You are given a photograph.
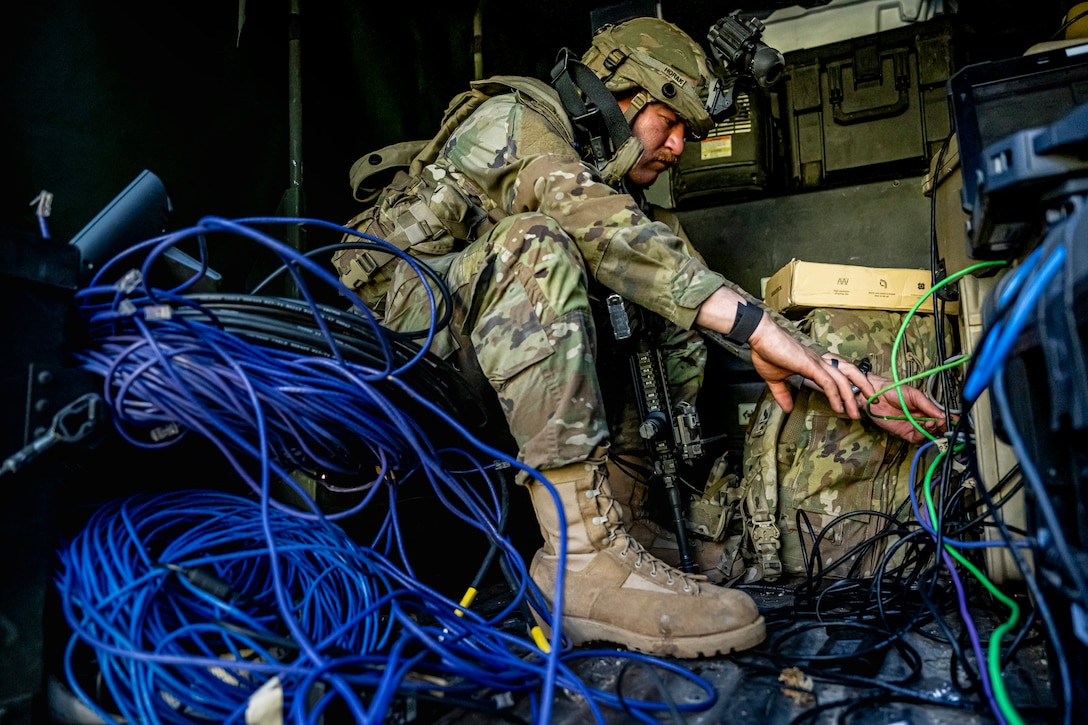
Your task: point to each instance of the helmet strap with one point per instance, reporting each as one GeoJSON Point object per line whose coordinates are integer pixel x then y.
{"type": "Point", "coordinates": [626, 157]}
{"type": "Point", "coordinates": [638, 102]}
{"type": "Point", "coordinates": [599, 124]}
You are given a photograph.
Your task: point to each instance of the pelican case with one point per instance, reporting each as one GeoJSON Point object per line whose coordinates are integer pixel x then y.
{"type": "Point", "coordinates": [868, 108]}
{"type": "Point", "coordinates": [737, 159]}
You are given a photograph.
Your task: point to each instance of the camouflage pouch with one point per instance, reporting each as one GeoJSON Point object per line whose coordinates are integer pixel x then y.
{"type": "Point", "coordinates": [415, 214]}
{"type": "Point", "coordinates": [421, 205]}
{"type": "Point", "coordinates": [817, 475]}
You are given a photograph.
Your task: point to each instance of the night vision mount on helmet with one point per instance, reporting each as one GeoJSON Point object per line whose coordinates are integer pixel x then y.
{"type": "Point", "coordinates": [656, 61]}
{"type": "Point", "coordinates": [736, 46]}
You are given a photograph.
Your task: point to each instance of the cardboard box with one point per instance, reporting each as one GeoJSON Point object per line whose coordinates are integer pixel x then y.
{"type": "Point", "coordinates": [804, 285]}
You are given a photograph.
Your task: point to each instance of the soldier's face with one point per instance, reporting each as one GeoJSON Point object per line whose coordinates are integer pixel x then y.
{"type": "Point", "coordinates": [661, 132]}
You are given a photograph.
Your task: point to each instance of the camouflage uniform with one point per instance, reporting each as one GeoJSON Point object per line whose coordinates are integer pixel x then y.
{"type": "Point", "coordinates": [523, 292]}
{"type": "Point", "coordinates": [538, 235]}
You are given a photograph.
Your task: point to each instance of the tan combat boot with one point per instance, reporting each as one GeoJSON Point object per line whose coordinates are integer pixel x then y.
{"type": "Point", "coordinates": [617, 592]}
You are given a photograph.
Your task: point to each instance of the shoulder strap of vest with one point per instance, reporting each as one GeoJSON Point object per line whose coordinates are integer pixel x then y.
{"type": "Point", "coordinates": [538, 94]}
{"type": "Point", "coordinates": [372, 172]}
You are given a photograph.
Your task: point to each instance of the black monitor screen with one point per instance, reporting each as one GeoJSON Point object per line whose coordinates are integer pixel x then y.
{"type": "Point", "coordinates": [140, 212]}
{"type": "Point", "coordinates": [993, 100]}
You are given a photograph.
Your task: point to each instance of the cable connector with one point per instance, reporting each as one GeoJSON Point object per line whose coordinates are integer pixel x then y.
{"type": "Point", "coordinates": [466, 601]}
{"type": "Point", "coordinates": [130, 281]}
{"type": "Point", "coordinates": [539, 639]}
{"type": "Point", "coordinates": [163, 432]}
{"type": "Point", "coordinates": [157, 313]}
{"type": "Point", "coordinates": [44, 203]}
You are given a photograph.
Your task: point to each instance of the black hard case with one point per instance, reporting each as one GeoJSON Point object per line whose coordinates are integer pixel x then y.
{"type": "Point", "coordinates": [867, 108]}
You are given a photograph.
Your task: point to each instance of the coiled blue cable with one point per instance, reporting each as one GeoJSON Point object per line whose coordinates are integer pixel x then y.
{"type": "Point", "coordinates": [172, 593]}
{"type": "Point", "coordinates": [192, 602]}
{"type": "Point", "coordinates": [1019, 303]}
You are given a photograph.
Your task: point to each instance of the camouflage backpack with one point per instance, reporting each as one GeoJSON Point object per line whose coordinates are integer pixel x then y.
{"type": "Point", "coordinates": [815, 474]}
{"type": "Point", "coordinates": [409, 207]}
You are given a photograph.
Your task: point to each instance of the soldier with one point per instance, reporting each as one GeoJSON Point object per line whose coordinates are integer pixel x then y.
{"type": "Point", "coordinates": [530, 224]}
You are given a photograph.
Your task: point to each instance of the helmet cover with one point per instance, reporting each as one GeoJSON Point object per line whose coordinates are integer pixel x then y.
{"type": "Point", "coordinates": [656, 56]}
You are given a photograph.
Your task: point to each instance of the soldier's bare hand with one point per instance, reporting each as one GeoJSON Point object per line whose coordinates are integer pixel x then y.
{"type": "Point", "coordinates": [777, 357]}
{"type": "Point", "coordinates": [894, 414]}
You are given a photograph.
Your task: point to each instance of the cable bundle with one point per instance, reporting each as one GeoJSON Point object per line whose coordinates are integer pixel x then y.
{"type": "Point", "coordinates": [199, 605]}
{"type": "Point", "coordinates": [179, 598]}
{"type": "Point", "coordinates": [1038, 303]}
{"type": "Point", "coordinates": [233, 591]}
{"type": "Point", "coordinates": [314, 388]}
{"type": "Point", "coordinates": [929, 582]}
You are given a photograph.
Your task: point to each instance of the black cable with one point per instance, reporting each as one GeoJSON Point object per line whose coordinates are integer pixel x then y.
{"type": "Point", "coordinates": [866, 704]}
{"type": "Point", "coordinates": [950, 504]}
{"type": "Point", "coordinates": [772, 651]}
{"type": "Point", "coordinates": [918, 540]}
{"type": "Point", "coordinates": [859, 551]}
{"type": "Point", "coordinates": [1067, 23]}
{"type": "Point", "coordinates": [494, 547]}
{"type": "Point", "coordinates": [774, 644]}
{"type": "Point", "coordinates": [894, 592]}
{"type": "Point", "coordinates": [446, 308]}
{"type": "Point", "coordinates": [935, 265]}
{"type": "Point", "coordinates": [669, 700]}
{"type": "Point", "coordinates": [752, 660]}
{"type": "Point", "coordinates": [1039, 600]}
{"type": "Point", "coordinates": [1021, 636]}
{"type": "Point", "coordinates": [287, 324]}
{"type": "Point", "coordinates": [814, 569]}
{"type": "Point", "coordinates": [986, 502]}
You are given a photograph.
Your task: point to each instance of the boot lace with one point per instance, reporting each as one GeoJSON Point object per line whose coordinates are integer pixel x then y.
{"type": "Point", "coordinates": [616, 528]}
{"type": "Point", "coordinates": [633, 548]}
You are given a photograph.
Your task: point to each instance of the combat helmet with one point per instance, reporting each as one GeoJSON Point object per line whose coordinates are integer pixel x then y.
{"type": "Point", "coordinates": [659, 58]}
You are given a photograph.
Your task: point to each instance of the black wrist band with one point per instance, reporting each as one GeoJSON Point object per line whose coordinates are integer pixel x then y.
{"type": "Point", "coordinates": [747, 320]}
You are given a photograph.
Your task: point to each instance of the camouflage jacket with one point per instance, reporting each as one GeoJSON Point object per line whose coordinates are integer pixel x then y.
{"type": "Point", "coordinates": [515, 152]}
{"type": "Point", "coordinates": [506, 147]}
{"type": "Point", "coordinates": [502, 146]}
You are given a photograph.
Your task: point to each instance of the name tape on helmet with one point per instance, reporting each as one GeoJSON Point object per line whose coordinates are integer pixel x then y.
{"type": "Point", "coordinates": [675, 76]}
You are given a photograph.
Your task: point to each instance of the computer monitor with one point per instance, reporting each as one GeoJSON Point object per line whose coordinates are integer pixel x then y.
{"type": "Point", "coordinates": [140, 212]}
{"type": "Point", "coordinates": [993, 100]}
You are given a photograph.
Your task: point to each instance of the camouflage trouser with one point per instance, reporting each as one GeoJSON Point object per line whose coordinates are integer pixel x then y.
{"type": "Point", "coordinates": [522, 326]}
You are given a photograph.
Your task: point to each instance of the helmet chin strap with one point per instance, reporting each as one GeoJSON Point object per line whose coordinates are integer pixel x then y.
{"type": "Point", "coordinates": [638, 102]}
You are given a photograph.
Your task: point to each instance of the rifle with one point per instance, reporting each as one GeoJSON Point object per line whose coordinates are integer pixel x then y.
{"type": "Point", "coordinates": [670, 435]}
